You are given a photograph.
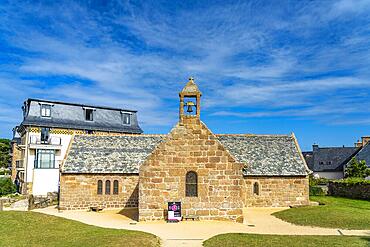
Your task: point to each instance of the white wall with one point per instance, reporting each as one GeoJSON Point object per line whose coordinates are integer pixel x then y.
{"type": "Point", "coordinates": [330, 175]}
{"type": "Point", "coordinates": [44, 181]}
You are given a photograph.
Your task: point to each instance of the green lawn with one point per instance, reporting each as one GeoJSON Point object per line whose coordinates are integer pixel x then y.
{"type": "Point", "coordinates": [256, 240]}
{"type": "Point", "coordinates": [35, 229]}
{"type": "Point", "coordinates": [337, 212]}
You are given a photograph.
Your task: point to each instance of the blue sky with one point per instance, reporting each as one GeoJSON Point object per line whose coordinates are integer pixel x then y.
{"type": "Point", "coordinates": [265, 67]}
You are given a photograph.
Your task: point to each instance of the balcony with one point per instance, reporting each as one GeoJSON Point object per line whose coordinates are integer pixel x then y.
{"type": "Point", "coordinates": [53, 142]}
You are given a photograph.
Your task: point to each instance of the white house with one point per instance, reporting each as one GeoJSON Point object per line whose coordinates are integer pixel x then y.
{"type": "Point", "coordinates": [45, 134]}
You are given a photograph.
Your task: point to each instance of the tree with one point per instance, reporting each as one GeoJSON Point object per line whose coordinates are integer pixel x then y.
{"type": "Point", "coordinates": [7, 186]}
{"type": "Point", "coordinates": [357, 169]}
{"type": "Point", "coordinates": [5, 158]}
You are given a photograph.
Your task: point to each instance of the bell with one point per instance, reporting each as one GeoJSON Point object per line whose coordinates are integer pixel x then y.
{"type": "Point", "coordinates": [190, 108]}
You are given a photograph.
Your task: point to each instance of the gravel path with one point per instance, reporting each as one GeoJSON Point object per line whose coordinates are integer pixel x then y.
{"type": "Point", "coordinates": [193, 233]}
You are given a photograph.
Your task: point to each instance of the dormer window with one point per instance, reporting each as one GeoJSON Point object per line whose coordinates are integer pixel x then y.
{"type": "Point", "coordinates": [89, 114]}
{"type": "Point", "coordinates": [126, 118]}
{"type": "Point", "coordinates": [45, 110]}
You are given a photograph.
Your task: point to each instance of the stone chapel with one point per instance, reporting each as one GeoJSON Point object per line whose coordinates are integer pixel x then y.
{"type": "Point", "coordinates": [214, 176]}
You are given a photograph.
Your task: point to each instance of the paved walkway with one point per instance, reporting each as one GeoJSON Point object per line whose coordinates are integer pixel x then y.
{"type": "Point", "coordinates": [193, 233]}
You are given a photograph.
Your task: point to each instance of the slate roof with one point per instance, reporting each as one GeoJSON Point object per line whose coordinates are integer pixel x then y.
{"type": "Point", "coordinates": [364, 154]}
{"type": "Point", "coordinates": [330, 159]}
{"type": "Point", "coordinates": [308, 156]}
{"type": "Point", "coordinates": [72, 116]}
{"type": "Point", "coordinates": [109, 154]}
{"type": "Point", "coordinates": [266, 155]}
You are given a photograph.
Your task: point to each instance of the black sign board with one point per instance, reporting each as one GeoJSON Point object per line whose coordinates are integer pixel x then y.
{"type": "Point", "coordinates": [174, 211]}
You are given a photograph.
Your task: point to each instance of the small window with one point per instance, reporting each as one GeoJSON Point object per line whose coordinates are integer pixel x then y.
{"type": "Point", "coordinates": [45, 110]}
{"type": "Point", "coordinates": [256, 189]}
{"type": "Point", "coordinates": [89, 114]}
{"type": "Point", "coordinates": [90, 132]}
{"type": "Point", "coordinates": [100, 187]}
{"type": "Point", "coordinates": [328, 163]}
{"type": "Point", "coordinates": [126, 118]}
{"type": "Point", "coordinates": [45, 135]}
{"type": "Point", "coordinates": [191, 185]}
{"type": "Point", "coordinates": [107, 187]}
{"type": "Point", "coordinates": [321, 162]}
{"type": "Point", "coordinates": [115, 187]}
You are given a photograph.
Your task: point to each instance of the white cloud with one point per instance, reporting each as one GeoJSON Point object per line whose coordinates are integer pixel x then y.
{"type": "Point", "coordinates": [246, 55]}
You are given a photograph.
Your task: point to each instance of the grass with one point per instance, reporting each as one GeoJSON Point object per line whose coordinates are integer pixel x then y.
{"type": "Point", "coordinates": [36, 229]}
{"type": "Point", "coordinates": [337, 212]}
{"type": "Point", "coordinates": [256, 240]}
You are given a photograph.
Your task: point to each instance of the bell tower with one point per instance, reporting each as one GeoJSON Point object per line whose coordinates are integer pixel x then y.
{"type": "Point", "coordinates": [190, 101]}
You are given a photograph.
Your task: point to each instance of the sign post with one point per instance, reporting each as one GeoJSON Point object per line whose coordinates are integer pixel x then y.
{"type": "Point", "coordinates": [174, 211]}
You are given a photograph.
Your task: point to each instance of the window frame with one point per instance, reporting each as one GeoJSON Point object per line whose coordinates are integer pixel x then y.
{"type": "Point", "coordinates": [107, 187]}
{"type": "Point", "coordinates": [100, 187]}
{"type": "Point", "coordinates": [115, 187]}
{"type": "Point", "coordinates": [38, 163]}
{"type": "Point", "coordinates": [45, 133]}
{"type": "Point", "coordinates": [129, 114]}
{"type": "Point", "coordinates": [91, 110]}
{"type": "Point", "coordinates": [45, 107]}
{"type": "Point", "coordinates": [256, 188]}
{"type": "Point", "coordinates": [190, 184]}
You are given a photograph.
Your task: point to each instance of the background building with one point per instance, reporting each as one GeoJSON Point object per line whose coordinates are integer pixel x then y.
{"type": "Point", "coordinates": [42, 139]}
{"type": "Point", "coordinates": [330, 162]}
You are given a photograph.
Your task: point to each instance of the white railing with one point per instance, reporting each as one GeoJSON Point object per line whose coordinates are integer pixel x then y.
{"type": "Point", "coordinates": [53, 140]}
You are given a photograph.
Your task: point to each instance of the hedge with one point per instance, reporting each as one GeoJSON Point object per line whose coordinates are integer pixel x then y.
{"type": "Point", "coordinates": [355, 188]}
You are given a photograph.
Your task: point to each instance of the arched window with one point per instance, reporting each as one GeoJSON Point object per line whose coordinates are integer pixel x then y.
{"type": "Point", "coordinates": [256, 189]}
{"type": "Point", "coordinates": [107, 187]}
{"type": "Point", "coordinates": [100, 187]}
{"type": "Point", "coordinates": [191, 189]}
{"type": "Point", "coordinates": [115, 187]}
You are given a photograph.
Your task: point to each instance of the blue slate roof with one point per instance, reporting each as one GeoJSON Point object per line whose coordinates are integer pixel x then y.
{"type": "Point", "coordinates": [364, 154]}
{"type": "Point", "coordinates": [329, 159]}
{"type": "Point", "coordinates": [72, 116]}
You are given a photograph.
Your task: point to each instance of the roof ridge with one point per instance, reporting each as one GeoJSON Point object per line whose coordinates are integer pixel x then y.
{"type": "Point", "coordinates": [253, 135]}
{"type": "Point", "coordinates": [119, 134]}
{"type": "Point", "coordinates": [78, 104]}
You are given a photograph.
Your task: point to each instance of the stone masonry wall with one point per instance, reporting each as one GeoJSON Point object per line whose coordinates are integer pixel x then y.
{"type": "Point", "coordinates": [16, 155]}
{"type": "Point", "coordinates": [80, 191]}
{"type": "Point", "coordinates": [191, 147]}
{"type": "Point", "coordinates": [276, 191]}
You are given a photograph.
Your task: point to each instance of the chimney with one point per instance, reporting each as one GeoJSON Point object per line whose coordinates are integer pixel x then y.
{"type": "Point", "coordinates": [365, 139]}
{"type": "Point", "coordinates": [315, 147]}
{"type": "Point", "coordinates": [358, 144]}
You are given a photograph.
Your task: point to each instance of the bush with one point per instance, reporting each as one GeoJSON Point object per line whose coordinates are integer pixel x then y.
{"type": "Point", "coordinates": [318, 181]}
{"type": "Point", "coordinates": [7, 186]}
{"type": "Point", "coordinates": [357, 169]}
{"type": "Point", "coordinates": [317, 191]}
{"type": "Point", "coordinates": [4, 172]}
{"type": "Point", "coordinates": [352, 181]}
